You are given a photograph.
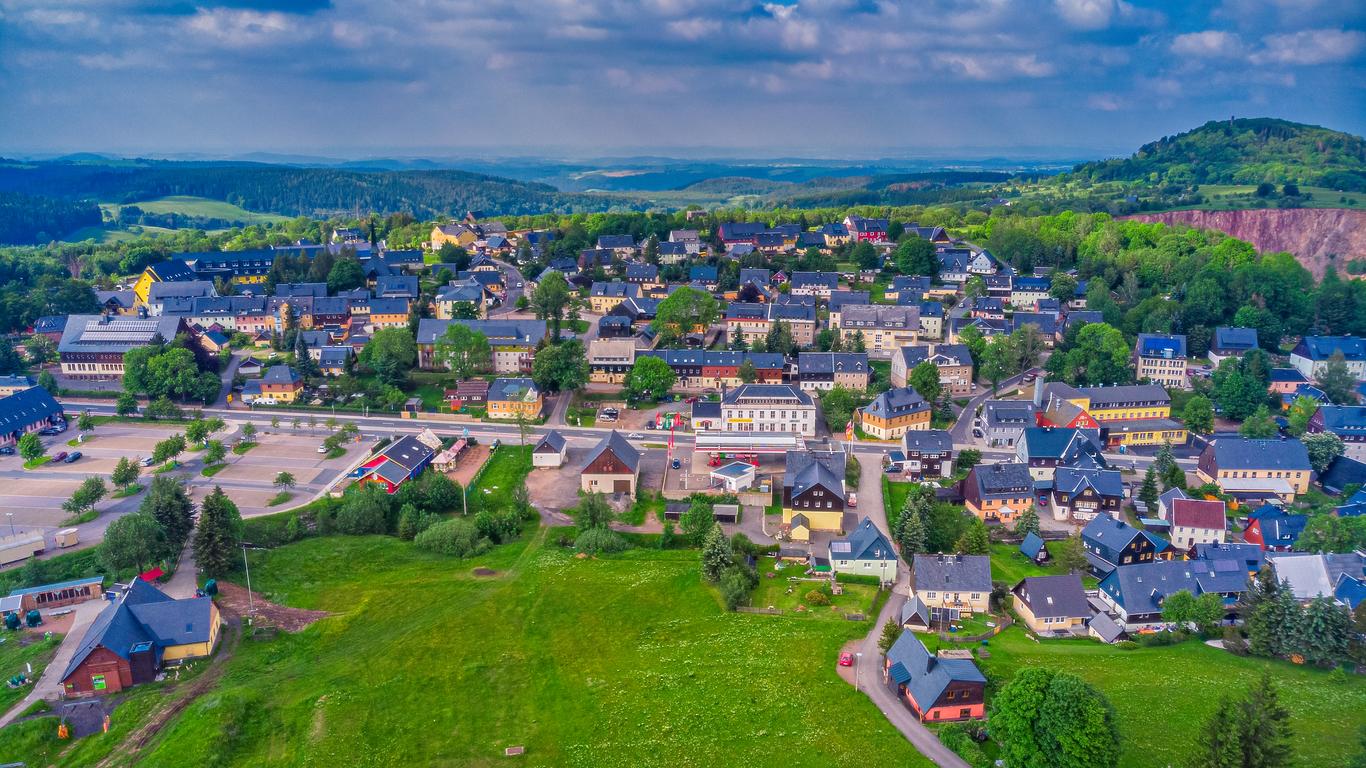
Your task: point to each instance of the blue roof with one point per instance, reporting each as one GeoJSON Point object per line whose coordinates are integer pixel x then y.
{"type": "Point", "coordinates": [865, 543]}
{"type": "Point", "coordinates": [1031, 545]}
{"type": "Point", "coordinates": [1350, 590]}
{"type": "Point", "coordinates": [58, 585]}
{"type": "Point", "coordinates": [1141, 588]}
{"type": "Point", "coordinates": [26, 408]}
{"type": "Point", "coordinates": [1161, 345]}
{"type": "Point", "coordinates": [1229, 339]}
{"type": "Point", "coordinates": [144, 614]}
{"type": "Point", "coordinates": [925, 676]}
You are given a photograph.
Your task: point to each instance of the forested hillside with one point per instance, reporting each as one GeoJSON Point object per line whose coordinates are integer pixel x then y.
{"type": "Point", "coordinates": [296, 191]}
{"type": "Point", "coordinates": [27, 219]}
{"type": "Point", "coordinates": [1246, 151]}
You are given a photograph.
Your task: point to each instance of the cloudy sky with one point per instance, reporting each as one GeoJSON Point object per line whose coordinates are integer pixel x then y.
{"type": "Point", "coordinates": [810, 77]}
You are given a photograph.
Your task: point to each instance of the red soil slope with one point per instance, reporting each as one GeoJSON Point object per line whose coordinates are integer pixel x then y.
{"type": "Point", "coordinates": [1316, 236]}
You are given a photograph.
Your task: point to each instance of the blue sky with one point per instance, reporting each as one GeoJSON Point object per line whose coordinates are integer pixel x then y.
{"type": "Point", "coordinates": [1065, 78]}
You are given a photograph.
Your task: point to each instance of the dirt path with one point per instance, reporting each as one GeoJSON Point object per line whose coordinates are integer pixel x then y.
{"type": "Point", "coordinates": [233, 601]}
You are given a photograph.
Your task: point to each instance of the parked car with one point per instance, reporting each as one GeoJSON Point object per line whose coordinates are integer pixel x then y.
{"type": "Point", "coordinates": [322, 449]}
{"type": "Point", "coordinates": [846, 659]}
{"type": "Point", "coordinates": [853, 499]}
{"type": "Point", "coordinates": [145, 461]}
{"type": "Point", "coordinates": [676, 464]}
{"type": "Point", "coordinates": [72, 457]}
{"type": "Point", "coordinates": [649, 425]}
{"type": "Point", "coordinates": [1029, 377]}
{"type": "Point", "coordinates": [635, 436]}
{"type": "Point", "coordinates": [7, 450]}
{"type": "Point", "coordinates": [61, 456]}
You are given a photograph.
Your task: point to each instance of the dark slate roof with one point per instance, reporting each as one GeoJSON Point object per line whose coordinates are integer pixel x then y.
{"type": "Point", "coordinates": [803, 469]}
{"type": "Point", "coordinates": [706, 274]}
{"type": "Point", "coordinates": [499, 332]}
{"type": "Point", "coordinates": [1063, 444]}
{"type": "Point", "coordinates": [757, 275]}
{"type": "Point", "coordinates": [1242, 453]}
{"type": "Point", "coordinates": [407, 452]}
{"type": "Point", "coordinates": [1230, 339]}
{"type": "Point", "coordinates": [620, 447]}
{"type": "Point", "coordinates": [792, 312]}
{"type": "Point", "coordinates": [389, 306]}
{"type": "Point", "coordinates": [316, 290]}
{"type": "Point", "coordinates": [1249, 557]}
{"type": "Point", "coordinates": [1106, 482]}
{"type": "Point", "coordinates": [1161, 345]}
{"type": "Point", "coordinates": [915, 608]}
{"type": "Point", "coordinates": [897, 402]}
{"type": "Point", "coordinates": [1344, 420]}
{"type": "Point", "coordinates": [616, 241]}
{"type": "Point", "coordinates": [865, 543]}
{"type": "Point", "coordinates": [176, 622]}
{"type": "Point", "coordinates": [926, 441]}
{"type": "Point", "coordinates": [952, 573]}
{"type": "Point", "coordinates": [1142, 587]}
{"type": "Point", "coordinates": [615, 289]}
{"type": "Point", "coordinates": [832, 362]}
{"type": "Point", "coordinates": [25, 407]}
{"type": "Point", "coordinates": [397, 285]}
{"type": "Point", "coordinates": [1111, 534]}
{"type": "Point", "coordinates": [1350, 590]}
{"type": "Point", "coordinates": [774, 391]}
{"type": "Point", "coordinates": [281, 374]}
{"type": "Point", "coordinates": [925, 676]}
{"type": "Point", "coordinates": [1032, 545]}
{"type": "Point", "coordinates": [1283, 375]}
{"type": "Point", "coordinates": [143, 613]}
{"type": "Point", "coordinates": [839, 299]}
{"type": "Point", "coordinates": [1106, 627]}
{"type": "Point", "coordinates": [1343, 472]}
{"type": "Point", "coordinates": [1055, 596]}
{"type": "Point", "coordinates": [552, 440]}
{"type": "Point", "coordinates": [814, 279]}
{"type": "Point", "coordinates": [740, 310]}
{"type": "Point", "coordinates": [1282, 530]}
{"type": "Point", "coordinates": [642, 271]}
{"type": "Point", "coordinates": [1003, 478]}
{"type": "Point", "coordinates": [1323, 347]}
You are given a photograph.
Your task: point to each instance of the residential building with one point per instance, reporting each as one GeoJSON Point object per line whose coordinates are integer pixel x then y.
{"type": "Point", "coordinates": [884, 328]}
{"type": "Point", "coordinates": [1313, 353]}
{"type": "Point", "coordinates": [92, 346]}
{"type": "Point", "coordinates": [172, 271]}
{"type": "Point", "coordinates": [871, 230]}
{"type": "Point", "coordinates": [937, 689]}
{"type": "Point", "coordinates": [1161, 359]}
{"type": "Point", "coordinates": [1272, 530]}
{"type": "Point", "coordinates": [175, 295]}
{"type": "Point", "coordinates": [813, 492]}
{"type": "Point", "coordinates": [1109, 542]}
{"type": "Point", "coordinates": [609, 360]}
{"type": "Point", "coordinates": [1079, 495]}
{"type": "Point", "coordinates": [998, 492]}
{"type": "Point", "coordinates": [623, 246]}
{"type": "Point", "coordinates": [952, 585]}
{"type": "Point", "coordinates": [135, 636]}
{"type": "Point", "coordinates": [1052, 604]}
{"type": "Point", "coordinates": [697, 368]}
{"type": "Point", "coordinates": [1348, 422]}
{"type": "Point", "coordinates": [396, 463]}
{"type": "Point", "coordinates": [954, 362]}
{"type": "Point", "coordinates": [893, 413]}
{"type": "Point", "coordinates": [510, 398]}
{"type": "Point", "coordinates": [550, 451]}
{"type": "Point", "coordinates": [916, 285]}
{"type": "Point", "coordinates": [613, 466]}
{"type": "Point", "coordinates": [389, 313]}
{"type": "Point", "coordinates": [602, 297]}
{"type": "Point", "coordinates": [1027, 291]}
{"type": "Point", "coordinates": [248, 267]}
{"type": "Point", "coordinates": [1229, 342]}
{"type": "Point", "coordinates": [643, 275]}
{"type": "Point", "coordinates": [450, 297]}
{"type": "Point", "coordinates": [818, 371]}
{"type": "Point", "coordinates": [468, 393]}
{"type": "Point", "coordinates": [513, 341]}
{"type": "Point", "coordinates": [1045, 449]}
{"type": "Point", "coordinates": [28, 410]}
{"type": "Point", "coordinates": [281, 384]}
{"type": "Point", "coordinates": [1136, 415]}
{"type": "Point", "coordinates": [813, 284]}
{"type": "Point", "coordinates": [1197, 521]}
{"type": "Point", "coordinates": [768, 408]}
{"type": "Point", "coordinates": [799, 318]}
{"type": "Point", "coordinates": [864, 552]}
{"type": "Point", "coordinates": [1256, 468]}
{"type": "Point", "coordinates": [1312, 575]}
{"type": "Point", "coordinates": [1003, 422]}
{"type": "Point", "coordinates": [1284, 381]}
{"type": "Point", "coordinates": [1135, 593]}
{"type": "Point", "coordinates": [926, 454]}
{"type": "Point", "coordinates": [1248, 557]}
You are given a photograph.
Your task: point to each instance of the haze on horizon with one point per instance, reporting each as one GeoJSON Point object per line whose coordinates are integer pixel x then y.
{"type": "Point", "coordinates": [811, 78]}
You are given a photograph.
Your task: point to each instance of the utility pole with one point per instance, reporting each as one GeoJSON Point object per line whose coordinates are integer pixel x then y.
{"type": "Point", "coordinates": [251, 604]}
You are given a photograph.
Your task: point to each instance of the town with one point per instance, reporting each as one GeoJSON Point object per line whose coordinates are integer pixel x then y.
{"type": "Point", "coordinates": [985, 442]}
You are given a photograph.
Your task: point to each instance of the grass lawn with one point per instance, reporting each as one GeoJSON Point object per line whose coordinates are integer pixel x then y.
{"type": "Point", "coordinates": [505, 470]}
{"type": "Point", "coordinates": [212, 469]}
{"type": "Point", "coordinates": [622, 661]}
{"type": "Point", "coordinates": [14, 656]}
{"type": "Point", "coordinates": [279, 498]}
{"type": "Point", "coordinates": [84, 517]}
{"type": "Point", "coordinates": [1009, 566]}
{"type": "Point", "coordinates": [38, 462]}
{"type": "Point", "coordinates": [581, 417]}
{"type": "Point", "coordinates": [781, 591]}
{"type": "Point", "coordinates": [894, 497]}
{"type": "Point", "coordinates": [1171, 691]}
{"type": "Point", "coordinates": [124, 493]}
{"type": "Point", "coordinates": [647, 502]}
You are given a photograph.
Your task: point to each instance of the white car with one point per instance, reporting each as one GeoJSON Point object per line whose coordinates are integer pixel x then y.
{"type": "Point", "coordinates": [146, 461]}
{"type": "Point", "coordinates": [636, 436]}
{"type": "Point", "coordinates": [322, 449]}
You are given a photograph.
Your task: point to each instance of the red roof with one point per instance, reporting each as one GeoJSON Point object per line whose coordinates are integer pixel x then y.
{"type": "Point", "coordinates": [1198, 513]}
{"type": "Point", "coordinates": [152, 575]}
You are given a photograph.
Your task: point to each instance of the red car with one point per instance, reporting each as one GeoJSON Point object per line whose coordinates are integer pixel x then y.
{"type": "Point", "coordinates": [59, 457]}
{"type": "Point", "coordinates": [846, 659]}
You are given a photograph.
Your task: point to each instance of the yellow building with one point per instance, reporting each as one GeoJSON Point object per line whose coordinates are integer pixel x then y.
{"type": "Point", "coordinates": [173, 271]}
{"type": "Point", "coordinates": [389, 313]}
{"type": "Point", "coordinates": [172, 653]}
{"type": "Point", "coordinates": [1242, 466]}
{"type": "Point", "coordinates": [604, 297]}
{"type": "Point", "coordinates": [509, 398]}
{"type": "Point", "coordinates": [1052, 603]}
{"type": "Point", "coordinates": [813, 493]}
{"type": "Point", "coordinates": [455, 234]}
{"type": "Point", "coordinates": [1137, 415]}
{"type": "Point", "coordinates": [894, 413]}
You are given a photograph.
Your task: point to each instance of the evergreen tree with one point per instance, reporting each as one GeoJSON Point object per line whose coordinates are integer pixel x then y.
{"type": "Point", "coordinates": [913, 535]}
{"type": "Point", "coordinates": [218, 535]}
{"type": "Point", "coordinates": [1028, 522]}
{"type": "Point", "coordinates": [890, 632]}
{"type": "Point", "coordinates": [168, 504]}
{"type": "Point", "coordinates": [1168, 470]}
{"type": "Point", "coordinates": [407, 522]}
{"type": "Point", "coordinates": [975, 540]}
{"type": "Point", "coordinates": [1264, 727]}
{"type": "Point", "coordinates": [715, 553]}
{"type": "Point", "coordinates": [1219, 744]}
{"type": "Point", "coordinates": [1147, 493]}
{"type": "Point", "coordinates": [1324, 631]}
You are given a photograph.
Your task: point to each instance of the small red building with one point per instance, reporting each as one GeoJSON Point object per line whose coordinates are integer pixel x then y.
{"type": "Point", "coordinates": [936, 689]}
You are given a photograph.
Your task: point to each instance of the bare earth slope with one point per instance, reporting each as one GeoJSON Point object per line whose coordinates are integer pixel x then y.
{"type": "Point", "coordinates": [1313, 235]}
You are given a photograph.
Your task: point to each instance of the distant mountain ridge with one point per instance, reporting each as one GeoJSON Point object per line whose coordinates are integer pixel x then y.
{"type": "Point", "coordinates": [1243, 151]}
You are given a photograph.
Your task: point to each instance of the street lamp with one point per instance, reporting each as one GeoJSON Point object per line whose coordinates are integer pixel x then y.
{"type": "Point", "coordinates": [11, 522]}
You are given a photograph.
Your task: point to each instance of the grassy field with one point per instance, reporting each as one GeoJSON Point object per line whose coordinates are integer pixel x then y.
{"type": "Point", "coordinates": [1162, 696]}
{"type": "Point", "coordinates": [1009, 566]}
{"type": "Point", "coordinates": [625, 661]}
{"type": "Point", "coordinates": [781, 591]}
{"type": "Point", "coordinates": [199, 206]}
{"type": "Point", "coordinates": [14, 657]}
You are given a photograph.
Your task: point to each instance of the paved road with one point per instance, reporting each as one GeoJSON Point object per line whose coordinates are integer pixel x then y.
{"type": "Point", "coordinates": [514, 277]}
{"type": "Point", "coordinates": [962, 428]}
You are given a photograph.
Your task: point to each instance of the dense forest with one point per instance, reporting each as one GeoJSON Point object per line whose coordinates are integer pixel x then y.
{"type": "Point", "coordinates": [27, 219]}
{"type": "Point", "coordinates": [295, 191]}
{"type": "Point", "coordinates": [928, 188]}
{"type": "Point", "coordinates": [1245, 151]}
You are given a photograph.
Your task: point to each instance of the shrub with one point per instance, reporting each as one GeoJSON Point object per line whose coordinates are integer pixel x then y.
{"type": "Point", "coordinates": [1126, 645]}
{"type": "Point", "coordinates": [735, 586]}
{"type": "Point", "coordinates": [817, 597]}
{"type": "Point", "coordinates": [959, 737]}
{"type": "Point", "coordinates": [498, 527]}
{"type": "Point", "coordinates": [363, 513]}
{"type": "Point", "coordinates": [1158, 639]}
{"type": "Point", "coordinates": [452, 537]}
{"type": "Point", "coordinates": [1234, 642]}
{"type": "Point", "coordinates": [596, 541]}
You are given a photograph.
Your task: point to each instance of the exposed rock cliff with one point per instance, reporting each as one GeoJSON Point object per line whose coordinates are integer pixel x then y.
{"type": "Point", "coordinates": [1317, 236]}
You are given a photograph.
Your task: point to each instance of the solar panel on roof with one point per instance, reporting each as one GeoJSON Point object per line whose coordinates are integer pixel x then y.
{"type": "Point", "coordinates": [840, 546]}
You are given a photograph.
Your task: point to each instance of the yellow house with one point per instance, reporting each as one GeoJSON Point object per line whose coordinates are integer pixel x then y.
{"type": "Point", "coordinates": [894, 413]}
{"type": "Point", "coordinates": [1242, 466]}
{"type": "Point", "coordinates": [455, 234]}
{"type": "Point", "coordinates": [813, 493]}
{"type": "Point", "coordinates": [1138, 415]}
{"type": "Point", "coordinates": [198, 650]}
{"type": "Point", "coordinates": [389, 313]}
{"type": "Point", "coordinates": [161, 272]}
{"type": "Point", "coordinates": [604, 297]}
{"type": "Point", "coordinates": [509, 398]}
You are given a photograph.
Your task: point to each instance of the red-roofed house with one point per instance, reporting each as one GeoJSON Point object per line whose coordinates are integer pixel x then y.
{"type": "Point", "coordinates": [1197, 521]}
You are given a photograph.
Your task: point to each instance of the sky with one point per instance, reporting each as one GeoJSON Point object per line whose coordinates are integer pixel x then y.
{"type": "Point", "coordinates": [565, 78]}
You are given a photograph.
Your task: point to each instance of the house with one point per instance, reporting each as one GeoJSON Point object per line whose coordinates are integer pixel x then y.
{"type": "Point", "coordinates": [926, 454]}
{"type": "Point", "coordinates": [936, 689]}
{"type": "Point", "coordinates": [704, 275]}
{"type": "Point", "coordinates": [457, 297]}
{"type": "Point", "coordinates": [28, 410]}
{"type": "Point", "coordinates": [396, 287]}
{"type": "Point", "coordinates": [884, 328]}
{"type": "Point", "coordinates": [768, 408]}
{"type": "Point", "coordinates": [1285, 381]}
{"type": "Point", "coordinates": [643, 275]}
{"type": "Point", "coordinates": [1313, 353]}
{"type": "Point", "coordinates": [813, 283]}
{"type": "Point", "coordinates": [1197, 521]}
{"type": "Point", "coordinates": [172, 271]}
{"type": "Point", "coordinates": [624, 246]}
{"type": "Point", "coordinates": [1247, 557]}
{"type": "Point", "coordinates": [732, 232]}
{"type": "Point", "coordinates": [1341, 474]}
{"type": "Point", "coordinates": [998, 492]}
{"type": "Point", "coordinates": [1256, 468]}
{"type": "Point", "coordinates": [1134, 415]}
{"type": "Point", "coordinates": [1229, 342]}
{"type": "Point", "coordinates": [92, 346]}
{"type": "Point", "coordinates": [864, 552]}
{"type": "Point", "coordinates": [954, 362]}
{"type": "Point", "coordinates": [734, 477]}
{"type": "Point", "coordinates": [281, 384]}
{"type": "Point", "coordinates": [1110, 542]}
{"type": "Point", "coordinates": [1161, 359]}
{"type": "Point", "coordinates": [513, 341]}
{"type": "Point", "coordinates": [1003, 422]}
{"type": "Point", "coordinates": [468, 393]}
{"type": "Point", "coordinates": [936, 235]}
{"type": "Point", "coordinates": [1348, 422]}
{"type": "Point", "coordinates": [1078, 495]}
{"type": "Point", "coordinates": [333, 360]}
{"type": "Point", "coordinates": [1045, 449]}
{"type": "Point", "coordinates": [871, 230]}
{"type": "Point", "coordinates": [1026, 291]}
{"type": "Point", "coordinates": [799, 318]}
{"type": "Point", "coordinates": [609, 360]}
{"type": "Point", "coordinates": [172, 298]}
{"type": "Point", "coordinates": [603, 297]}
{"type": "Point", "coordinates": [718, 368]}
{"type": "Point", "coordinates": [908, 284]}
{"type": "Point", "coordinates": [1135, 593]}
{"type": "Point", "coordinates": [952, 585]}
{"type": "Point", "coordinates": [813, 488]}
{"type": "Point", "coordinates": [1312, 575]}
{"type": "Point", "coordinates": [460, 235]}
{"type": "Point", "coordinates": [613, 467]}
{"type": "Point", "coordinates": [817, 371]}
{"type": "Point", "coordinates": [1165, 502]}
{"type": "Point", "coordinates": [1273, 530]}
{"type": "Point", "coordinates": [513, 397]}
{"type": "Point", "coordinates": [59, 595]}
{"type": "Point", "coordinates": [1052, 604]}
{"type": "Point", "coordinates": [396, 463]}
{"type": "Point", "coordinates": [389, 313]}
{"type": "Point", "coordinates": [550, 451]}
{"type": "Point", "coordinates": [135, 636]}
{"type": "Point", "coordinates": [893, 413]}
{"type": "Point", "coordinates": [1033, 547]}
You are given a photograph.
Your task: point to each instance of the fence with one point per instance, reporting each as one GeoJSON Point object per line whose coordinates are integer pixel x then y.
{"type": "Point", "coordinates": [950, 637]}
{"type": "Point", "coordinates": [765, 611]}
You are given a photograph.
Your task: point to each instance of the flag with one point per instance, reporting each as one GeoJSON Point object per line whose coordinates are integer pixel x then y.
{"type": "Point", "coordinates": [849, 430]}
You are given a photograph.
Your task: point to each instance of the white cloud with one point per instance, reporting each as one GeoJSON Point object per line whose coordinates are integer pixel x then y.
{"type": "Point", "coordinates": [1211, 44]}
{"type": "Point", "coordinates": [1086, 14]}
{"type": "Point", "coordinates": [1105, 102]}
{"type": "Point", "coordinates": [579, 32]}
{"type": "Point", "coordinates": [693, 29]}
{"type": "Point", "coordinates": [1311, 46]}
{"type": "Point", "coordinates": [234, 28]}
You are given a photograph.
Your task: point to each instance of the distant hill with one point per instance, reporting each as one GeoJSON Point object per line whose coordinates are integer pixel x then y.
{"type": "Point", "coordinates": [26, 219]}
{"type": "Point", "coordinates": [927, 188]}
{"type": "Point", "coordinates": [294, 191]}
{"type": "Point", "coordinates": [1244, 151]}
{"type": "Point", "coordinates": [739, 185]}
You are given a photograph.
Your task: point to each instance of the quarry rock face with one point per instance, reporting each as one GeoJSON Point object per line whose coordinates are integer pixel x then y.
{"type": "Point", "coordinates": [1316, 236]}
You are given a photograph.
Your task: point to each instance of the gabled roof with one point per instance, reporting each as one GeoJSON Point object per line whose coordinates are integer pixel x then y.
{"type": "Point", "coordinates": [1233, 340]}
{"type": "Point", "coordinates": [1161, 345]}
{"type": "Point", "coordinates": [921, 441]}
{"type": "Point", "coordinates": [1105, 627]}
{"type": "Point", "coordinates": [1110, 533]}
{"type": "Point", "coordinates": [142, 614]}
{"type": "Point", "coordinates": [619, 447]}
{"type": "Point", "coordinates": [1032, 545]}
{"type": "Point", "coordinates": [1058, 596]}
{"type": "Point", "coordinates": [915, 608]}
{"type": "Point", "coordinates": [832, 362]}
{"type": "Point", "coordinates": [803, 470]}
{"type": "Point", "coordinates": [408, 452]}
{"type": "Point", "coordinates": [865, 543]}
{"type": "Point", "coordinates": [1073, 480]}
{"type": "Point", "coordinates": [552, 441]}
{"type": "Point", "coordinates": [1247, 556]}
{"type": "Point", "coordinates": [1199, 513]}
{"type": "Point", "coordinates": [925, 676]}
{"type": "Point", "coordinates": [1314, 575]}
{"type": "Point", "coordinates": [1319, 348]}
{"type": "Point", "coordinates": [1141, 588]}
{"type": "Point", "coordinates": [952, 573]}
{"type": "Point", "coordinates": [26, 407]}
{"type": "Point", "coordinates": [1242, 453]}
{"type": "Point", "coordinates": [281, 374]}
